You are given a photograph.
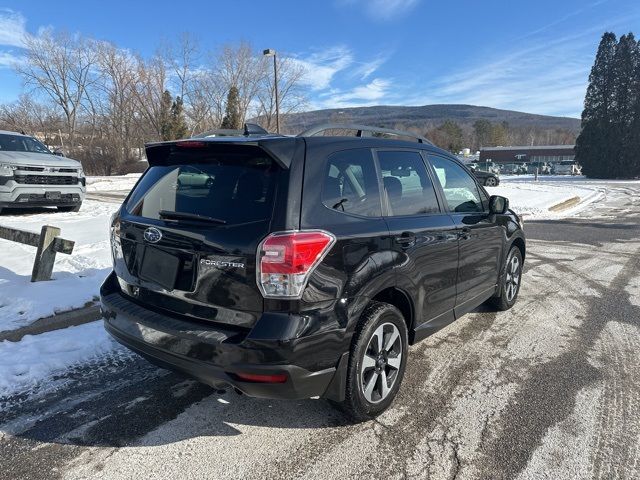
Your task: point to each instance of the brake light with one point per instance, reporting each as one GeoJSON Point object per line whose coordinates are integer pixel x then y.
{"type": "Point", "coordinates": [286, 260]}
{"type": "Point", "coordinates": [190, 144]}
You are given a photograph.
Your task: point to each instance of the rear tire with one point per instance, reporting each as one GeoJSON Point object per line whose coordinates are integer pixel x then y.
{"type": "Point", "coordinates": [490, 182]}
{"type": "Point", "coordinates": [377, 362]}
{"type": "Point", "coordinates": [510, 283]}
{"type": "Point", "coordinates": [74, 208]}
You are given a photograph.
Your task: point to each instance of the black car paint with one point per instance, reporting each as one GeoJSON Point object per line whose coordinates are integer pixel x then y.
{"type": "Point", "coordinates": [311, 334]}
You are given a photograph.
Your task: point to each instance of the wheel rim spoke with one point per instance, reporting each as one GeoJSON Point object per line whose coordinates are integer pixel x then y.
{"type": "Point", "coordinates": [378, 338]}
{"type": "Point", "coordinates": [384, 385]}
{"type": "Point", "coordinates": [368, 362]}
{"type": "Point", "coordinates": [391, 340]}
{"type": "Point", "coordinates": [394, 362]}
{"type": "Point", "coordinates": [371, 384]}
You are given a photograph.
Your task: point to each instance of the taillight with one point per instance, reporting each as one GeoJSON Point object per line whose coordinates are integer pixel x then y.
{"type": "Point", "coordinates": [286, 260]}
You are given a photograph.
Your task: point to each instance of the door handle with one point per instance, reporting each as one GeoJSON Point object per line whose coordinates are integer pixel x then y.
{"type": "Point", "coordinates": [407, 239]}
{"type": "Point", "coordinates": [465, 233]}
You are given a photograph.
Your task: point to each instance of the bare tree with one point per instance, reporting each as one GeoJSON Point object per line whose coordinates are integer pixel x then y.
{"type": "Point", "coordinates": [32, 117]}
{"type": "Point", "coordinates": [150, 88]}
{"type": "Point", "coordinates": [291, 96]}
{"type": "Point", "coordinates": [238, 66]}
{"type": "Point", "coordinates": [62, 67]}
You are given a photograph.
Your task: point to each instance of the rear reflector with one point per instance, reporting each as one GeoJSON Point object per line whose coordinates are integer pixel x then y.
{"type": "Point", "coordinates": [287, 259]}
{"type": "Point", "coordinates": [252, 377]}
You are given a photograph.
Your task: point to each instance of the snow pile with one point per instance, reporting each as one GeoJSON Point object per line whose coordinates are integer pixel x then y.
{"type": "Point", "coordinates": [533, 199]}
{"type": "Point", "coordinates": [76, 277]}
{"type": "Point", "coordinates": [36, 358]}
{"type": "Point", "coordinates": [114, 183]}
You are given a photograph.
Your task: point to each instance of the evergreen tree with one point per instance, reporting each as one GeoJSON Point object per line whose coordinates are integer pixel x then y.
{"type": "Point", "coordinates": [624, 69]}
{"type": "Point", "coordinates": [448, 136]}
{"type": "Point", "coordinates": [232, 112]}
{"type": "Point", "coordinates": [178, 123]}
{"type": "Point", "coordinates": [591, 145]}
{"type": "Point", "coordinates": [627, 105]}
{"type": "Point", "coordinates": [482, 132]}
{"type": "Point", "coordinates": [165, 116]}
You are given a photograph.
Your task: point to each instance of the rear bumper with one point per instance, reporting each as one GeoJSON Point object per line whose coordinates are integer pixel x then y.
{"type": "Point", "coordinates": [214, 355]}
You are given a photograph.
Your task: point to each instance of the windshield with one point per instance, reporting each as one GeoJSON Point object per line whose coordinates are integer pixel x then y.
{"type": "Point", "coordinates": [20, 143]}
{"type": "Point", "coordinates": [225, 191]}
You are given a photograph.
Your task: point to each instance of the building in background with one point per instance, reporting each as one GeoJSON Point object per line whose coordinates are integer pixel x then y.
{"type": "Point", "coordinates": [543, 154]}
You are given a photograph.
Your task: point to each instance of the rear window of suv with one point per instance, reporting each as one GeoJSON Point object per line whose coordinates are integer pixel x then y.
{"type": "Point", "coordinates": [231, 188]}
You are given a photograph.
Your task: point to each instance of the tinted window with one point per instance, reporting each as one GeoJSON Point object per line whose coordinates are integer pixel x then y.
{"type": "Point", "coordinates": [460, 189]}
{"type": "Point", "coordinates": [351, 184]}
{"type": "Point", "coordinates": [233, 189]}
{"type": "Point", "coordinates": [408, 189]}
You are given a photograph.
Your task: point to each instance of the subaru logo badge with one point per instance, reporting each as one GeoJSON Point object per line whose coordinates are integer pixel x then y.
{"type": "Point", "coordinates": [152, 235]}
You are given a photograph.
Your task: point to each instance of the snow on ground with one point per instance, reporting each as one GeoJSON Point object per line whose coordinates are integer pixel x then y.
{"type": "Point", "coordinates": [37, 358]}
{"type": "Point", "coordinates": [533, 199]}
{"type": "Point", "coordinates": [114, 183]}
{"type": "Point", "coordinates": [76, 277]}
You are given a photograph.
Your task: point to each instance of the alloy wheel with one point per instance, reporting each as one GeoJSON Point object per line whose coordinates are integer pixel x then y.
{"type": "Point", "coordinates": [512, 280]}
{"type": "Point", "coordinates": [381, 363]}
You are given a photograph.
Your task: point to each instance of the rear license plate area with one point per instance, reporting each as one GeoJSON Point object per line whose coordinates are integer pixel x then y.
{"type": "Point", "coordinates": [159, 267]}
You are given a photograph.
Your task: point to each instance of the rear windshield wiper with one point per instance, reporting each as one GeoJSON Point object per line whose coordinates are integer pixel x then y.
{"type": "Point", "coordinates": [189, 216]}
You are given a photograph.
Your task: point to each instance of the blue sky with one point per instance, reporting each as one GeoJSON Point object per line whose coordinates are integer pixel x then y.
{"type": "Point", "coordinates": [532, 56]}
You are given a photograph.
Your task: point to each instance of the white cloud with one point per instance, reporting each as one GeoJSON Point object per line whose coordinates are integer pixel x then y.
{"type": "Point", "coordinates": [9, 59]}
{"type": "Point", "coordinates": [12, 28]}
{"type": "Point", "coordinates": [382, 9]}
{"type": "Point", "coordinates": [372, 93]}
{"type": "Point", "coordinates": [365, 69]}
{"type": "Point", "coordinates": [321, 67]}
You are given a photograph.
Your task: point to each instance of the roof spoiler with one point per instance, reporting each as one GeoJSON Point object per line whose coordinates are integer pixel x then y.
{"type": "Point", "coordinates": [361, 131]}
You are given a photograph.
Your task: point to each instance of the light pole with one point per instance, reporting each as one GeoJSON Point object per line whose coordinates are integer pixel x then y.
{"type": "Point", "coordinates": [270, 52]}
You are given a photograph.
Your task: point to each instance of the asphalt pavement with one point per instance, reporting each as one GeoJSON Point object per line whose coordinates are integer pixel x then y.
{"type": "Point", "coordinates": [549, 389]}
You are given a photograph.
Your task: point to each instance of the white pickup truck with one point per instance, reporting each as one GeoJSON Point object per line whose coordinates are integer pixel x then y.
{"type": "Point", "coordinates": [32, 176]}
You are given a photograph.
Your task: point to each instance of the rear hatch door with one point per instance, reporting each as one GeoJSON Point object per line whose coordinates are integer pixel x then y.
{"type": "Point", "coordinates": [190, 229]}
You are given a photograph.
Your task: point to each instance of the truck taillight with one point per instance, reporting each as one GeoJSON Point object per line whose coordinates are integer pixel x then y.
{"type": "Point", "coordinates": [286, 260]}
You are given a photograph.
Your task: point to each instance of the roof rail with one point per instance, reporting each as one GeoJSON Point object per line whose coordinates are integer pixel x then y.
{"type": "Point", "coordinates": [248, 130]}
{"type": "Point", "coordinates": [361, 131]}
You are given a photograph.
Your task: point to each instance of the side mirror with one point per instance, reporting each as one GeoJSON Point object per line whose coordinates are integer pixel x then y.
{"type": "Point", "coordinates": [58, 152]}
{"type": "Point", "coordinates": [498, 205]}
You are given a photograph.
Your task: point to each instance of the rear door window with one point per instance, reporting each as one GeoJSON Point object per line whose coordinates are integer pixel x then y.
{"type": "Point", "coordinates": [407, 186]}
{"type": "Point", "coordinates": [351, 184]}
{"type": "Point", "coordinates": [233, 189]}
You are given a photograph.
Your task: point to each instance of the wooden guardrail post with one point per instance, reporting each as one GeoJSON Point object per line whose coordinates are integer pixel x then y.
{"type": "Point", "coordinates": [46, 255]}
{"type": "Point", "coordinates": [48, 244]}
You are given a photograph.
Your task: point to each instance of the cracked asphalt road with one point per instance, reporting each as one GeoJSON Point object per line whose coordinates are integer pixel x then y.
{"type": "Point", "coordinates": [549, 389]}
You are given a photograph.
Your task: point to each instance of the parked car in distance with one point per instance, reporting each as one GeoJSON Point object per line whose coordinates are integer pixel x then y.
{"type": "Point", "coordinates": [566, 167]}
{"type": "Point", "coordinates": [488, 179]}
{"type": "Point", "coordinates": [33, 176]}
{"type": "Point", "coordinates": [513, 169]}
{"type": "Point", "coordinates": [308, 265]}
{"type": "Point", "coordinates": [543, 168]}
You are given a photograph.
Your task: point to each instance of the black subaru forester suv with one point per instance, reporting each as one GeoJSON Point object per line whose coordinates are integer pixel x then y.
{"type": "Point", "coordinates": [297, 267]}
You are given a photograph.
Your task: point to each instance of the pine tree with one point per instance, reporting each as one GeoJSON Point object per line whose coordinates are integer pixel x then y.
{"type": "Point", "coordinates": [178, 123]}
{"type": "Point", "coordinates": [628, 105]}
{"type": "Point", "coordinates": [232, 113]}
{"type": "Point", "coordinates": [165, 116]}
{"type": "Point", "coordinates": [624, 96]}
{"type": "Point", "coordinates": [591, 145]}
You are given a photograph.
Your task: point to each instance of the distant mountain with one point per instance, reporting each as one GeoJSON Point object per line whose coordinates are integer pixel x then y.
{"type": "Point", "coordinates": [425, 117]}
